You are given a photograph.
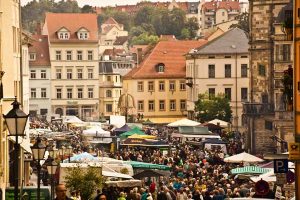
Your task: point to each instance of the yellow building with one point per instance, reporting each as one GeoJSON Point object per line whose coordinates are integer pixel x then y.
{"type": "Point", "coordinates": [158, 84]}
{"type": "Point", "coordinates": [11, 76]}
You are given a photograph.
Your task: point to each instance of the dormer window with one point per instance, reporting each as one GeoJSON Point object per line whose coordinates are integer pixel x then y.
{"type": "Point", "coordinates": [160, 68]}
{"type": "Point", "coordinates": [83, 35]}
{"type": "Point", "coordinates": [63, 34]}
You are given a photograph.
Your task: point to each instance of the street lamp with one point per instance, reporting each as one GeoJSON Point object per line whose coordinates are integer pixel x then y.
{"type": "Point", "coordinates": [38, 151]}
{"type": "Point", "coordinates": [51, 167]}
{"type": "Point", "coordinates": [62, 152]}
{"type": "Point", "coordinates": [69, 151]}
{"type": "Point", "coordinates": [16, 121]}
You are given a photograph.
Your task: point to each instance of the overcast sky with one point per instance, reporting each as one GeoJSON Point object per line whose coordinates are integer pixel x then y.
{"type": "Point", "coordinates": [109, 2]}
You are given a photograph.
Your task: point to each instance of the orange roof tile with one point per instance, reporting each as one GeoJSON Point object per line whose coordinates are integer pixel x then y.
{"type": "Point", "coordinates": [171, 54]}
{"type": "Point", "coordinates": [228, 5]}
{"type": "Point", "coordinates": [41, 49]}
{"type": "Point", "coordinates": [73, 22]}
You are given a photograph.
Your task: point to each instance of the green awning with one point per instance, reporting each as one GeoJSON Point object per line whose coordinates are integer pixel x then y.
{"type": "Point", "coordinates": [249, 170]}
{"type": "Point", "coordinates": [144, 165]}
{"type": "Point", "coordinates": [135, 130]}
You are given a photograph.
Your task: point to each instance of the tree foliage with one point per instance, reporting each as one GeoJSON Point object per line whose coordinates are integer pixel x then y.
{"type": "Point", "coordinates": [144, 38]}
{"type": "Point", "coordinates": [243, 22]}
{"type": "Point", "coordinates": [215, 107]}
{"type": "Point", "coordinates": [84, 180]}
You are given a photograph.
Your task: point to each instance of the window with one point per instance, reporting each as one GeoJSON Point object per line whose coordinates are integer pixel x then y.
{"type": "Point", "coordinates": [211, 71]}
{"type": "Point", "coordinates": [79, 93]}
{"type": "Point", "coordinates": [211, 92]}
{"type": "Point", "coordinates": [283, 52]}
{"type": "Point", "coordinates": [108, 93]}
{"type": "Point", "coordinates": [90, 55]}
{"type": "Point", "coordinates": [33, 92]}
{"type": "Point", "coordinates": [227, 71]}
{"type": "Point", "coordinates": [83, 35]}
{"type": "Point", "coordinates": [151, 106]}
{"type": "Point", "coordinates": [43, 111]}
{"type": "Point", "coordinates": [161, 86]}
{"type": "Point", "coordinates": [69, 55]}
{"type": "Point", "coordinates": [244, 94]}
{"type": "Point", "coordinates": [140, 86]}
{"type": "Point", "coordinates": [69, 93]}
{"type": "Point", "coordinates": [160, 68]}
{"type": "Point", "coordinates": [91, 93]}
{"type": "Point", "coordinates": [43, 93]}
{"type": "Point", "coordinates": [58, 93]}
{"type": "Point", "coordinates": [228, 93]}
{"type": "Point", "coordinates": [182, 104]}
{"type": "Point", "coordinates": [182, 85]}
{"type": "Point", "coordinates": [58, 73]}
{"type": "Point", "coordinates": [43, 74]}
{"type": "Point", "coordinates": [244, 70]}
{"type": "Point", "coordinates": [63, 35]}
{"type": "Point", "coordinates": [172, 85]}
{"type": "Point", "coordinates": [108, 107]}
{"type": "Point", "coordinates": [58, 55]}
{"type": "Point", "coordinates": [32, 74]}
{"type": "Point", "coordinates": [90, 73]}
{"type": "Point", "coordinates": [223, 13]}
{"type": "Point", "coordinates": [150, 86]}
{"type": "Point", "coordinates": [79, 55]}
{"type": "Point", "coordinates": [69, 73]}
{"type": "Point", "coordinates": [108, 78]}
{"type": "Point", "coordinates": [32, 56]}
{"type": "Point", "coordinates": [140, 105]}
{"type": "Point", "coordinates": [172, 105]}
{"type": "Point", "coordinates": [79, 73]}
{"type": "Point", "coordinates": [261, 70]}
{"type": "Point", "coordinates": [161, 105]}
{"type": "Point", "coordinates": [268, 125]}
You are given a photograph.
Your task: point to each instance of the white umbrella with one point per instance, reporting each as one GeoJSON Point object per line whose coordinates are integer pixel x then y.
{"type": "Point", "coordinates": [184, 122]}
{"type": "Point", "coordinates": [243, 158]}
{"type": "Point", "coordinates": [219, 123]}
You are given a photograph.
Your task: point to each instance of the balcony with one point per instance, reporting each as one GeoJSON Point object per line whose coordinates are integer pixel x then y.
{"type": "Point", "coordinates": [257, 109]}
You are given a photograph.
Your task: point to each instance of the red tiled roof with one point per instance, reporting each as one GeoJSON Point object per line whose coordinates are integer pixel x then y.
{"type": "Point", "coordinates": [41, 49]}
{"type": "Point", "coordinates": [168, 37]}
{"type": "Point", "coordinates": [228, 5]}
{"type": "Point", "coordinates": [106, 29]}
{"type": "Point", "coordinates": [121, 40]}
{"type": "Point", "coordinates": [113, 52]}
{"type": "Point", "coordinates": [73, 22]}
{"type": "Point", "coordinates": [171, 54]}
{"type": "Point", "coordinates": [110, 21]}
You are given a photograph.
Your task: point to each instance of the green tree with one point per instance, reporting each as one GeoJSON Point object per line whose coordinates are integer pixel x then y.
{"type": "Point", "coordinates": [87, 9]}
{"type": "Point", "coordinates": [192, 26]}
{"type": "Point", "coordinates": [185, 34]}
{"type": "Point", "coordinates": [243, 22]}
{"type": "Point", "coordinates": [136, 31]}
{"type": "Point", "coordinates": [144, 38]}
{"type": "Point", "coordinates": [144, 15]}
{"type": "Point", "coordinates": [207, 109]}
{"type": "Point", "coordinates": [84, 180]}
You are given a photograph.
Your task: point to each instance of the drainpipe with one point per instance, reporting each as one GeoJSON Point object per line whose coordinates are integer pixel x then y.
{"type": "Point", "coordinates": [236, 96]}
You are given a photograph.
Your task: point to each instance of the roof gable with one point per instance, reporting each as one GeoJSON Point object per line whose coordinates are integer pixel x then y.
{"type": "Point", "coordinates": [71, 22]}
{"type": "Point", "coordinates": [41, 49]}
{"type": "Point", "coordinates": [82, 29]}
{"type": "Point", "coordinates": [232, 41]}
{"type": "Point", "coordinates": [171, 54]}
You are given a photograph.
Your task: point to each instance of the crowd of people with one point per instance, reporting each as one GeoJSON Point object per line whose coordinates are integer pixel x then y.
{"type": "Point", "coordinates": [195, 173]}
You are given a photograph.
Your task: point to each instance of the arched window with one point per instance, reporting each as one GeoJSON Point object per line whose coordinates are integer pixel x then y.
{"type": "Point", "coordinates": [59, 111]}
{"type": "Point", "coordinates": [108, 93]}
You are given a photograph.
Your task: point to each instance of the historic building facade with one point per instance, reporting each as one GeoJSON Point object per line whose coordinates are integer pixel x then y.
{"type": "Point", "coordinates": [267, 116]}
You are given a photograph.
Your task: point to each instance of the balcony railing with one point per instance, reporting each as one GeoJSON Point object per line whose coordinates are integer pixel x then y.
{"type": "Point", "coordinates": [257, 108]}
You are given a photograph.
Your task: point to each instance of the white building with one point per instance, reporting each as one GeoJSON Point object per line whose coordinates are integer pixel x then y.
{"type": "Point", "coordinates": [39, 77]}
{"type": "Point", "coordinates": [73, 49]}
{"type": "Point", "coordinates": [220, 66]}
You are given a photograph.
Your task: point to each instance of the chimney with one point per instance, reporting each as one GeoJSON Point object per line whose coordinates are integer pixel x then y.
{"type": "Point", "coordinates": [139, 55]}
{"type": "Point", "coordinates": [38, 28]}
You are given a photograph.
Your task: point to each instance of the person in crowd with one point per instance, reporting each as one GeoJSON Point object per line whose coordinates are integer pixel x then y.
{"type": "Point", "coordinates": [61, 192]}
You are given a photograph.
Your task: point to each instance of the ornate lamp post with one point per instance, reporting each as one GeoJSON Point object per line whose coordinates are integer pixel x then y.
{"type": "Point", "coordinates": [51, 167]}
{"type": "Point", "coordinates": [69, 151]}
{"type": "Point", "coordinates": [16, 121]}
{"type": "Point", "coordinates": [38, 151]}
{"type": "Point", "coordinates": [62, 151]}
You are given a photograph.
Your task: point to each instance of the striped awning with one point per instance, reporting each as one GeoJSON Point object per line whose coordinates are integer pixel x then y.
{"type": "Point", "coordinates": [249, 170]}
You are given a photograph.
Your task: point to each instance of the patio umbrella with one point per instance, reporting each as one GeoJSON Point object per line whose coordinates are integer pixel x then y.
{"type": "Point", "coordinates": [135, 130]}
{"type": "Point", "coordinates": [144, 165]}
{"type": "Point", "coordinates": [84, 157]}
{"type": "Point", "coordinates": [242, 158]}
{"type": "Point", "coordinates": [184, 122]}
